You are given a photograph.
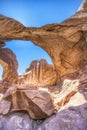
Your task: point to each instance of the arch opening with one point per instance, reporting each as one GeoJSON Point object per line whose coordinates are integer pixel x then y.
{"type": "Point", "coordinates": [26, 52]}
{"type": "Point", "coordinates": [34, 64]}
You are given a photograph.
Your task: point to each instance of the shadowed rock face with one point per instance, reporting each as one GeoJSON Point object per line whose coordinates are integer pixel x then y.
{"type": "Point", "coordinates": [16, 121]}
{"type": "Point", "coordinates": [9, 64]}
{"type": "Point", "coordinates": [72, 119]}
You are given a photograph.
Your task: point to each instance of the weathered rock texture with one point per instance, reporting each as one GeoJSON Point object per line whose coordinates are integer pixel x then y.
{"type": "Point", "coordinates": [16, 121]}
{"type": "Point", "coordinates": [75, 118]}
{"type": "Point", "coordinates": [4, 86]}
{"type": "Point", "coordinates": [9, 64]}
{"type": "Point", "coordinates": [71, 102]}
{"type": "Point", "coordinates": [66, 43]}
{"type": "Point", "coordinates": [72, 94]}
{"type": "Point", "coordinates": [40, 73]}
{"type": "Point", "coordinates": [36, 102]}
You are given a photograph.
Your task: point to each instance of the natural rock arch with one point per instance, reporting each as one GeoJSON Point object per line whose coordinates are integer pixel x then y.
{"type": "Point", "coordinates": [66, 43]}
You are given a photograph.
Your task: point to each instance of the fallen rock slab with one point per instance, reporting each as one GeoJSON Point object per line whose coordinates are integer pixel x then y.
{"type": "Point", "coordinates": [37, 103]}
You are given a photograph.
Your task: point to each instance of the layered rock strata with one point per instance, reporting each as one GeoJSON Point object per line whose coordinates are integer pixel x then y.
{"type": "Point", "coordinates": [40, 73]}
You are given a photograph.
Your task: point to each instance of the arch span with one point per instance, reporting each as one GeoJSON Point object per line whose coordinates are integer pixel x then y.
{"type": "Point", "coordinates": [65, 42]}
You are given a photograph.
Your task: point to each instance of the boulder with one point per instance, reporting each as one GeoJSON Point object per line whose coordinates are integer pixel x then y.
{"type": "Point", "coordinates": [16, 121]}
{"type": "Point", "coordinates": [4, 85]}
{"type": "Point", "coordinates": [36, 102]}
{"type": "Point", "coordinates": [74, 118]}
{"type": "Point", "coordinates": [66, 43]}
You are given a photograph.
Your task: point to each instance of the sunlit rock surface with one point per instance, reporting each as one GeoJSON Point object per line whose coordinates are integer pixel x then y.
{"type": "Point", "coordinates": [16, 121]}
{"type": "Point", "coordinates": [39, 73]}
{"type": "Point", "coordinates": [65, 42]}
{"type": "Point", "coordinates": [66, 85]}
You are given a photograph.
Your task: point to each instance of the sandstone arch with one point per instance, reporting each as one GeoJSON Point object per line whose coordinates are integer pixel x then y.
{"type": "Point", "coordinates": [1, 72]}
{"type": "Point", "coordinates": [66, 43]}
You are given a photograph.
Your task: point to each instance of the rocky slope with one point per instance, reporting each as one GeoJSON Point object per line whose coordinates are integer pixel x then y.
{"type": "Point", "coordinates": [52, 96]}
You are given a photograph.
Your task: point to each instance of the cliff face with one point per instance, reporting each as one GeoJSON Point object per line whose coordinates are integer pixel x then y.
{"type": "Point", "coordinates": [59, 89]}
{"type": "Point", "coordinates": [40, 73]}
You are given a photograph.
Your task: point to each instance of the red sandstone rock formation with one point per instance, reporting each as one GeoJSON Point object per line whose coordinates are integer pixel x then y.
{"type": "Point", "coordinates": [36, 102]}
{"type": "Point", "coordinates": [9, 64]}
{"type": "Point", "coordinates": [66, 43]}
{"type": "Point", "coordinates": [40, 73]}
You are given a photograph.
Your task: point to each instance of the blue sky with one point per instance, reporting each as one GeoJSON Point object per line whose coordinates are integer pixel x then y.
{"type": "Point", "coordinates": [35, 13]}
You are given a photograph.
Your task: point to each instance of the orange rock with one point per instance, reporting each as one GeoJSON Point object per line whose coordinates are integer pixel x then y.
{"type": "Point", "coordinates": [37, 103]}
{"type": "Point", "coordinates": [40, 73]}
{"type": "Point", "coordinates": [9, 64]}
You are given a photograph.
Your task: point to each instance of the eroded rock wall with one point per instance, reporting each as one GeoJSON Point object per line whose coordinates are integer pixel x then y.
{"type": "Point", "coordinates": [9, 64]}
{"type": "Point", "coordinates": [40, 73]}
{"type": "Point", "coordinates": [65, 42]}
